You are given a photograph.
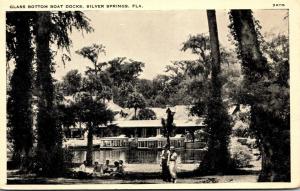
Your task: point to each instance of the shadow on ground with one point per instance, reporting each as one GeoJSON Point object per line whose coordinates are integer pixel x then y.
{"type": "Point", "coordinates": [135, 178]}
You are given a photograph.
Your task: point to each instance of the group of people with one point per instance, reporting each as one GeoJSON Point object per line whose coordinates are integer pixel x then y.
{"type": "Point", "coordinates": [116, 170]}
{"type": "Point", "coordinates": [168, 163]}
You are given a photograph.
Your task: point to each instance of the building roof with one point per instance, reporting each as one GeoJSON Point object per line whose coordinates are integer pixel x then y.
{"type": "Point", "coordinates": [182, 117]}
{"type": "Point", "coordinates": [157, 123]}
{"type": "Point", "coordinates": [182, 112]}
{"type": "Point", "coordinates": [114, 107]}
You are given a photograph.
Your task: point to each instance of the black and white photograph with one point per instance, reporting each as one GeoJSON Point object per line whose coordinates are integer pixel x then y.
{"type": "Point", "coordinates": [195, 96]}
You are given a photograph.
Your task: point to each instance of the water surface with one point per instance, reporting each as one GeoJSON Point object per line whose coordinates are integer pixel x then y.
{"type": "Point", "coordinates": [137, 156]}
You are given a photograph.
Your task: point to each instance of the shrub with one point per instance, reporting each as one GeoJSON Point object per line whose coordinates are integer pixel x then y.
{"type": "Point", "coordinates": [240, 155]}
{"type": "Point", "coordinates": [52, 164]}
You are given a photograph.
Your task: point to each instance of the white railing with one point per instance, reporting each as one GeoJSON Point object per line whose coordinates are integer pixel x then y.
{"type": "Point", "coordinates": [109, 142]}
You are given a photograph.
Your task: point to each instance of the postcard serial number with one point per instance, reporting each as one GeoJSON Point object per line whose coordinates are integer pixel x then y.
{"type": "Point", "coordinates": [278, 5]}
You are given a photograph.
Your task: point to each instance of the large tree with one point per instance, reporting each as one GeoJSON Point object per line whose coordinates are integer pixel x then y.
{"type": "Point", "coordinates": [217, 158]}
{"type": "Point", "coordinates": [95, 89]}
{"type": "Point", "coordinates": [87, 104]}
{"type": "Point", "coordinates": [19, 106]}
{"type": "Point", "coordinates": [48, 142]}
{"type": "Point", "coordinates": [93, 112]}
{"type": "Point", "coordinates": [51, 28]}
{"type": "Point", "coordinates": [267, 93]}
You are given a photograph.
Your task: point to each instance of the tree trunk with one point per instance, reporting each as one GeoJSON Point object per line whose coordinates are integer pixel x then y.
{"type": "Point", "coordinates": [215, 54]}
{"type": "Point", "coordinates": [274, 139]}
{"type": "Point", "coordinates": [217, 158]}
{"type": "Point", "coordinates": [168, 139]}
{"type": "Point", "coordinates": [89, 152]}
{"type": "Point", "coordinates": [49, 151]}
{"type": "Point", "coordinates": [255, 65]}
{"type": "Point", "coordinates": [169, 125]}
{"type": "Point", "coordinates": [45, 121]}
{"type": "Point", "coordinates": [20, 100]}
{"type": "Point", "coordinates": [135, 109]}
{"type": "Point", "coordinates": [273, 134]}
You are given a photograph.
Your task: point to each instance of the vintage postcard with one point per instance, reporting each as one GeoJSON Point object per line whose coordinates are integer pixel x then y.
{"type": "Point", "coordinates": [149, 94]}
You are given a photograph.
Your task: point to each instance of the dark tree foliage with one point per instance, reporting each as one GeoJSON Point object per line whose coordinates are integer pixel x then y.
{"type": "Point", "coordinates": [122, 71]}
{"type": "Point", "coordinates": [62, 24]}
{"type": "Point", "coordinates": [161, 95]}
{"type": "Point", "coordinates": [146, 88]}
{"type": "Point", "coordinates": [266, 90]}
{"type": "Point", "coordinates": [94, 85]}
{"type": "Point", "coordinates": [194, 85]}
{"type": "Point", "coordinates": [136, 101]}
{"type": "Point", "coordinates": [121, 93]}
{"type": "Point", "coordinates": [66, 115]}
{"type": "Point", "coordinates": [71, 82]}
{"type": "Point", "coordinates": [146, 114]}
{"type": "Point", "coordinates": [217, 158]}
{"type": "Point", "coordinates": [123, 74]}
{"type": "Point", "coordinates": [87, 104]}
{"type": "Point", "coordinates": [93, 113]}
{"type": "Point", "coordinates": [92, 53]}
{"type": "Point", "coordinates": [19, 106]}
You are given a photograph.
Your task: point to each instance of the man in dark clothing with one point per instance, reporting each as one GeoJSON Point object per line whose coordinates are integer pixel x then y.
{"type": "Point", "coordinates": [164, 164]}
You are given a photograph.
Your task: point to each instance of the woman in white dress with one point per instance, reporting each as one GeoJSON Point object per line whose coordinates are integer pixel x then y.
{"type": "Point", "coordinates": [172, 164]}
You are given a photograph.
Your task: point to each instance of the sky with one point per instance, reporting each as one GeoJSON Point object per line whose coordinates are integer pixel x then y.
{"type": "Point", "coordinates": [154, 37]}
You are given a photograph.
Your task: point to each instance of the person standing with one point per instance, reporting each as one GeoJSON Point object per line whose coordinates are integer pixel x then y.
{"type": "Point", "coordinates": [172, 164]}
{"type": "Point", "coordinates": [165, 155]}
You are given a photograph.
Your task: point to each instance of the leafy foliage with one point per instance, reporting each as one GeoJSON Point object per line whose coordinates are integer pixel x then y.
{"type": "Point", "coordinates": [240, 155]}
{"type": "Point", "coordinates": [146, 114]}
{"type": "Point", "coordinates": [88, 105]}
{"type": "Point", "coordinates": [92, 53]}
{"type": "Point", "coordinates": [66, 115]}
{"type": "Point", "coordinates": [123, 71]}
{"type": "Point", "coordinates": [186, 81]}
{"type": "Point", "coordinates": [92, 110]}
{"type": "Point", "coordinates": [71, 82]}
{"type": "Point", "coordinates": [123, 76]}
{"type": "Point", "coordinates": [62, 24]}
{"type": "Point", "coordinates": [135, 100]}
